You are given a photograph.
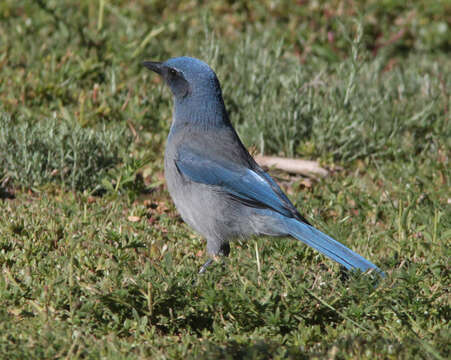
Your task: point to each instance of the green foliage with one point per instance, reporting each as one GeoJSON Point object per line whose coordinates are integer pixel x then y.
{"type": "Point", "coordinates": [350, 110]}
{"type": "Point", "coordinates": [76, 269]}
{"type": "Point", "coordinates": [36, 154]}
{"type": "Point", "coordinates": [362, 83]}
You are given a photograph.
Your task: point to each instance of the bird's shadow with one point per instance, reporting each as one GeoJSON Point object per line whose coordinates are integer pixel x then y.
{"type": "Point", "coordinates": [6, 194]}
{"type": "Point", "coordinates": [251, 350]}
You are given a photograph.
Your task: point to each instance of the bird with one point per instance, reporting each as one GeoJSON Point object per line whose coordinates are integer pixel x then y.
{"type": "Point", "coordinates": [217, 187]}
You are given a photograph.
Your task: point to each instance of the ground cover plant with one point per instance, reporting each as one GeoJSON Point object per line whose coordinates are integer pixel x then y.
{"type": "Point", "coordinates": [96, 262]}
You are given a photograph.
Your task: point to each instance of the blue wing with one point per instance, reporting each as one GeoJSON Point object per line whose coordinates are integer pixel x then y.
{"type": "Point", "coordinates": [253, 187]}
{"type": "Point", "coordinates": [256, 188]}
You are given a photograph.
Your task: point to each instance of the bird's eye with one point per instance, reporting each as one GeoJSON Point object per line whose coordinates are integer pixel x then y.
{"type": "Point", "coordinates": [172, 72]}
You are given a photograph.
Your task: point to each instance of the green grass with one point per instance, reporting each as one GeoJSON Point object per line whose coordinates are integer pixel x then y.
{"type": "Point", "coordinates": [36, 154]}
{"type": "Point", "coordinates": [96, 262]}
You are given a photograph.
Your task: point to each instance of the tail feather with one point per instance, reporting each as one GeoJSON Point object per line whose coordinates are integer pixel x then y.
{"type": "Point", "coordinates": [329, 247]}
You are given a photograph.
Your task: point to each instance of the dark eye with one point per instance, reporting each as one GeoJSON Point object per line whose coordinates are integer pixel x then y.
{"type": "Point", "coordinates": [172, 72]}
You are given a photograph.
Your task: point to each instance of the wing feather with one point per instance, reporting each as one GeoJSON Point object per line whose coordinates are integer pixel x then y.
{"type": "Point", "coordinates": [254, 188]}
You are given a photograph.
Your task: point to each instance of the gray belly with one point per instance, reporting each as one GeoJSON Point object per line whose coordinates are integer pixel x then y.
{"type": "Point", "coordinates": [208, 211]}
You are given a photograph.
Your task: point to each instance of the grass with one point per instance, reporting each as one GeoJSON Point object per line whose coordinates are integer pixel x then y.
{"type": "Point", "coordinates": [96, 262]}
{"type": "Point", "coordinates": [36, 154]}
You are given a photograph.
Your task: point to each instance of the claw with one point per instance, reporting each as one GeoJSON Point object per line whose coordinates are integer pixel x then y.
{"type": "Point", "coordinates": [204, 266]}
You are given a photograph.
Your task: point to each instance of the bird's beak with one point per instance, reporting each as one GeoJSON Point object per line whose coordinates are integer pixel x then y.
{"type": "Point", "coordinates": [153, 65]}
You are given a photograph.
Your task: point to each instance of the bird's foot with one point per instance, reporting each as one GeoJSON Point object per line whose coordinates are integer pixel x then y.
{"type": "Point", "coordinates": [215, 258]}
{"type": "Point", "coordinates": [204, 266]}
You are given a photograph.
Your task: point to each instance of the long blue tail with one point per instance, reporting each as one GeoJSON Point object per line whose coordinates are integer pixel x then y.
{"type": "Point", "coordinates": [329, 247]}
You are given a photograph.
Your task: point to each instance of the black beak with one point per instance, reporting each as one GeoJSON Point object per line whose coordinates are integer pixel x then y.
{"type": "Point", "coordinates": [153, 65]}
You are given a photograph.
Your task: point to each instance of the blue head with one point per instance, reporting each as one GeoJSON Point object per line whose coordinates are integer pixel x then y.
{"type": "Point", "coordinates": [196, 89]}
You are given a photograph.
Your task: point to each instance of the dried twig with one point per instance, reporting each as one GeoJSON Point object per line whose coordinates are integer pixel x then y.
{"type": "Point", "coordinates": [296, 166]}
